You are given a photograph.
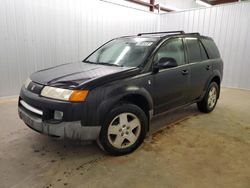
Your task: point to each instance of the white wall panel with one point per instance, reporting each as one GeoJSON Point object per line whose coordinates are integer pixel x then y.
{"type": "Point", "coordinates": [36, 34]}
{"type": "Point", "coordinates": [229, 26]}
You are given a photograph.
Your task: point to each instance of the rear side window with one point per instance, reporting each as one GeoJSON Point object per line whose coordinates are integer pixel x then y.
{"type": "Point", "coordinates": [203, 52]}
{"type": "Point", "coordinates": [194, 54]}
{"type": "Point", "coordinates": [211, 48]}
{"type": "Point", "coordinates": [196, 51]}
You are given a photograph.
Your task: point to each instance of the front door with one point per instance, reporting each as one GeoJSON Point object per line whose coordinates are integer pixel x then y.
{"type": "Point", "coordinates": [170, 85]}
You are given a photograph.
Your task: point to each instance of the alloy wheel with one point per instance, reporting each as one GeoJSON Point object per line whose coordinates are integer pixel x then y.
{"type": "Point", "coordinates": [124, 130]}
{"type": "Point", "coordinates": [212, 97]}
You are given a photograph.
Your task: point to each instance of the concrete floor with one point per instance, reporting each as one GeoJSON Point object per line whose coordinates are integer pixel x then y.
{"type": "Point", "coordinates": [193, 150]}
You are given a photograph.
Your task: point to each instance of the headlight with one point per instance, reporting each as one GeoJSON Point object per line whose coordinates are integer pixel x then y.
{"type": "Point", "coordinates": [27, 83]}
{"type": "Point", "coordinates": [64, 94]}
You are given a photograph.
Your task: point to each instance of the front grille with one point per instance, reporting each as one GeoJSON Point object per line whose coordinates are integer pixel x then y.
{"type": "Point", "coordinates": [35, 88]}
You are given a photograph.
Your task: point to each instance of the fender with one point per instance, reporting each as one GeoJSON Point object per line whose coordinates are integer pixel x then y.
{"type": "Point", "coordinates": [115, 96]}
{"type": "Point", "coordinates": [214, 74]}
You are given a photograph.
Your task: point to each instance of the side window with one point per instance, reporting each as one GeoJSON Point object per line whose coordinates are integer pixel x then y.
{"type": "Point", "coordinates": [211, 48]}
{"type": "Point", "coordinates": [194, 52]}
{"type": "Point", "coordinates": [172, 48]}
{"type": "Point", "coordinates": [203, 53]}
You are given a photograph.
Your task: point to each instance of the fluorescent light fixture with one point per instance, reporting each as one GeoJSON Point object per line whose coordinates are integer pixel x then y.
{"type": "Point", "coordinates": [203, 3]}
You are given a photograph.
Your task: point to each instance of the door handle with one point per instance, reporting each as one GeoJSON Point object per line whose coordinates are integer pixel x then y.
{"type": "Point", "coordinates": [208, 67]}
{"type": "Point", "coordinates": [184, 72]}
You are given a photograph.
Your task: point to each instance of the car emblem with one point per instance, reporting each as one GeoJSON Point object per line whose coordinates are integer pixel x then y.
{"type": "Point", "coordinates": [32, 88]}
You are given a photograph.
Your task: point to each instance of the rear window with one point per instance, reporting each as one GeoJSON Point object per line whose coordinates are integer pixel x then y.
{"type": "Point", "coordinates": [211, 48]}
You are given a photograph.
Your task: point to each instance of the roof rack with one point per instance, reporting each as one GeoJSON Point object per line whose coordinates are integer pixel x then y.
{"type": "Point", "coordinates": [192, 33]}
{"type": "Point", "coordinates": [155, 33]}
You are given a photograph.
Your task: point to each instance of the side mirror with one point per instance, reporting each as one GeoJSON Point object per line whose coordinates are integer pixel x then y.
{"type": "Point", "coordinates": [165, 62]}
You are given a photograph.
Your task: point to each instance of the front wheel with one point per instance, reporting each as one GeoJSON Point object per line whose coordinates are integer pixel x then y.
{"type": "Point", "coordinates": [124, 129]}
{"type": "Point", "coordinates": [209, 101]}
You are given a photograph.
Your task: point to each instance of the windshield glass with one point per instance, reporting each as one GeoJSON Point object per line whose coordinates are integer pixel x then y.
{"type": "Point", "coordinates": [122, 52]}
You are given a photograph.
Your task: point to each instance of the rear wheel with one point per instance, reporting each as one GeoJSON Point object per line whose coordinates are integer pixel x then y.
{"type": "Point", "coordinates": [124, 130]}
{"type": "Point", "coordinates": [209, 101]}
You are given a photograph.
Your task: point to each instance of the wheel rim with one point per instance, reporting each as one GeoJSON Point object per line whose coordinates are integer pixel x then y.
{"type": "Point", "coordinates": [124, 130]}
{"type": "Point", "coordinates": [212, 97]}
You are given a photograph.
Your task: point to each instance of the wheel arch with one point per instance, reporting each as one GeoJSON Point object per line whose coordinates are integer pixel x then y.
{"type": "Point", "coordinates": [140, 101]}
{"type": "Point", "coordinates": [215, 77]}
{"type": "Point", "coordinates": [137, 96]}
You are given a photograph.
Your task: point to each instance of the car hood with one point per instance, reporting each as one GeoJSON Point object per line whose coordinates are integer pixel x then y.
{"type": "Point", "coordinates": [73, 75]}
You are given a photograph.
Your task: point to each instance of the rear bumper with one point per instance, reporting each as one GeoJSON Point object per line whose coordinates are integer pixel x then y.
{"type": "Point", "coordinates": [72, 130]}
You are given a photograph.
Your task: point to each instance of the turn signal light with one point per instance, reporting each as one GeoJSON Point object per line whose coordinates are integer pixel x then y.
{"type": "Point", "coordinates": [78, 95]}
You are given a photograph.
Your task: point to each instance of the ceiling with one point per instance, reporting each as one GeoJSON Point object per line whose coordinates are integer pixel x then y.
{"type": "Point", "coordinates": [170, 5]}
{"type": "Point", "coordinates": [181, 4]}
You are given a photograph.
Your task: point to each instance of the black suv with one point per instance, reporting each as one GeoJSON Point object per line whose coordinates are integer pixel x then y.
{"type": "Point", "coordinates": [112, 95]}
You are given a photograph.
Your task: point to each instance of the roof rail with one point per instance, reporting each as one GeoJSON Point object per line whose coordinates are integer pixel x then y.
{"type": "Point", "coordinates": [192, 33]}
{"type": "Point", "coordinates": [155, 33]}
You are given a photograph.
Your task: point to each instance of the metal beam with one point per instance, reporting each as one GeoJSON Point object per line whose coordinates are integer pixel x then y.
{"type": "Point", "coordinates": [163, 8]}
{"type": "Point", "coordinates": [217, 2]}
{"type": "Point", "coordinates": [151, 6]}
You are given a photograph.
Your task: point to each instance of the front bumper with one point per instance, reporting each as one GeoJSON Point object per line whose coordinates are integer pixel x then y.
{"type": "Point", "coordinates": [71, 111]}
{"type": "Point", "coordinates": [72, 130]}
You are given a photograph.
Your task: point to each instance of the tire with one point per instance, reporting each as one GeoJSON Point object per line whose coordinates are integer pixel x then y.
{"type": "Point", "coordinates": [123, 130]}
{"type": "Point", "coordinates": [209, 101]}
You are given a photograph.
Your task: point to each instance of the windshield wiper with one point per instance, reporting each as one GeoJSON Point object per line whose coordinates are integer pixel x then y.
{"type": "Point", "coordinates": [109, 64]}
{"type": "Point", "coordinates": [103, 63]}
{"type": "Point", "coordinates": [88, 62]}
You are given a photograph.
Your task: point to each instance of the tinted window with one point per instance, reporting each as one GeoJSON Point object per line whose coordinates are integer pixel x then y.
{"type": "Point", "coordinates": [172, 48]}
{"type": "Point", "coordinates": [194, 52]}
{"type": "Point", "coordinates": [203, 52]}
{"type": "Point", "coordinates": [211, 48]}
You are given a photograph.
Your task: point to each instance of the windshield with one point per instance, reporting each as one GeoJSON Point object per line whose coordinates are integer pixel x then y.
{"type": "Point", "coordinates": [122, 52]}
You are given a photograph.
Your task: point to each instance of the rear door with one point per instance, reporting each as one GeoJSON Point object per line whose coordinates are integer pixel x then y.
{"type": "Point", "coordinates": [170, 85]}
{"type": "Point", "coordinates": [200, 67]}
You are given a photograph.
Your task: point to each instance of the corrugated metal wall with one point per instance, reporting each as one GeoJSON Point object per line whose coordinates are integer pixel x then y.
{"type": "Point", "coordinates": [35, 34]}
{"type": "Point", "coordinates": [229, 25]}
